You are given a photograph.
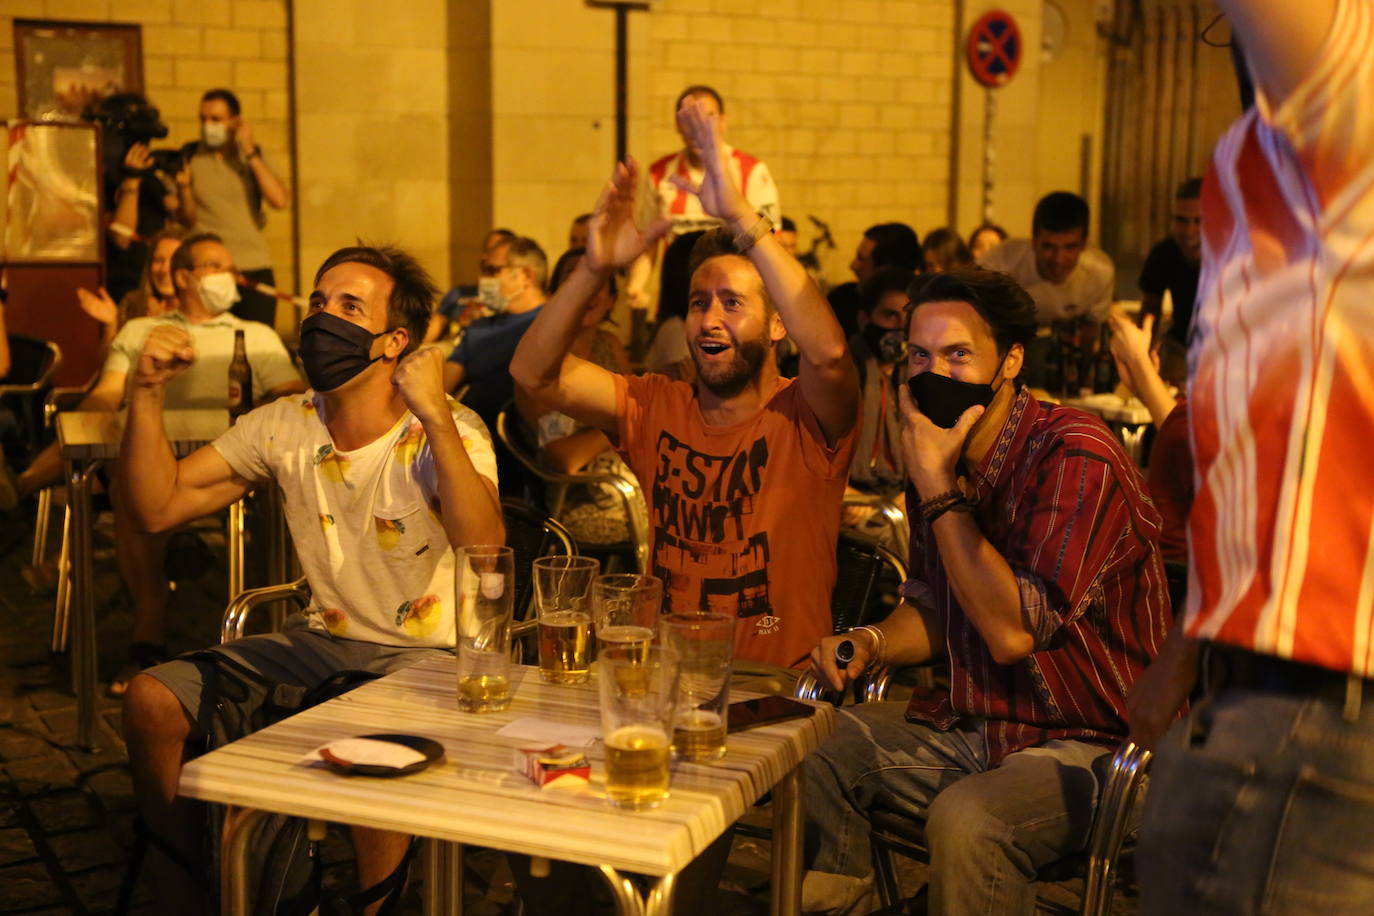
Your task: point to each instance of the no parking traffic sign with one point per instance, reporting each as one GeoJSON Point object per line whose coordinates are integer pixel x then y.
{"type": "Point", "coordinates": [994, 48]}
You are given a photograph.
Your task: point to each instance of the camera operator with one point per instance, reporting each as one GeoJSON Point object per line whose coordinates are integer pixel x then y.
{"type": "Point", "coordinates": [227, 181]}
{"type": "Point", "coordinates": [140, 184]}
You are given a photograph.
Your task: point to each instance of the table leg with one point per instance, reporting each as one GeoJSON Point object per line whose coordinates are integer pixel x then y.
{"type": "Point", "coordinates": [787, 844]}
{"type": "Point", "coordinates": [443, 878]}
{"type": "Point", "coordinates": [83, 607]}
{"type": "Point", "coordinates": [627, 899]}
{"type": "Point", "coordinates": [233, 865]}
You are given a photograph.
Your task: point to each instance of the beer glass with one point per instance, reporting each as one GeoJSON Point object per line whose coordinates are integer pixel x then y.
{"type": "Point", "coordinates": [625, 609]}
{"type": "Point", "coordinates": [562, 598]}
{"type": "Point", "coordinates": [705, 645]}
{"type": "Point", "coordinates": [638, 687]}
{"type": "Point", "coordinates": [484, 580]}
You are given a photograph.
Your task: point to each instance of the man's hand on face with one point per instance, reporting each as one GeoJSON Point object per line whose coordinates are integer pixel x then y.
{"type": "Point", "coordinates": [613, 239]}
{"type": "Point", "coordinates": [419, 379]}
{"type": "Point", "coordinates": [931, 452]}
{"type": "Point", "coordinates": [719, 188]}
{"type": "Point", "coordinates": [243, 135]}
{"type": "Point", "coordinates": [167, 353]}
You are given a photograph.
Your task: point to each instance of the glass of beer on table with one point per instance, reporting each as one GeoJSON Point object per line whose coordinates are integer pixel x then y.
{"type": "Point", "coordinates": [705, 645]}
{"type": "Point", "coordinates": [638, 687]}
{"type": "Point", "coordinates": [562, 598]}
{"type": "Point", "coordinates": [625, 609]}
{"type": "Point", "coordinates": [484, 582]}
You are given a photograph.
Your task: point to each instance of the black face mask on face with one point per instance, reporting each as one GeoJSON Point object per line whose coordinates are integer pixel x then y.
{"type": "Point", "coordinates": [887, 345]}
{"type": "Point", "coordinates": [943, 399]}
{"type": "Point", "coordinates": [334, 350]}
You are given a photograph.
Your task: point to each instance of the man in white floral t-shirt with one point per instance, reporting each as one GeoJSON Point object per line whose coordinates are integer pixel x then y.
{"type": "Point", "coordinates": [382, 476]}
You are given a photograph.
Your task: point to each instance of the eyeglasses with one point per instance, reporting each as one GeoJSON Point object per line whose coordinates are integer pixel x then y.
{"type": "Point", "coordinates": [491, 270]}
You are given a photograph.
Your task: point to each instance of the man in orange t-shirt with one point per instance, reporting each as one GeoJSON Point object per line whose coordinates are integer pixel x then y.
{"type": "Point", "coordinates": [743, 472]}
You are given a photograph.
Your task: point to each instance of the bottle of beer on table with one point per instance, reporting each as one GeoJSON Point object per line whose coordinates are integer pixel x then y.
{"type": "Point", "coordinates": [1104, 367]}
{"type": "Point", "coordinates": [240, 379]}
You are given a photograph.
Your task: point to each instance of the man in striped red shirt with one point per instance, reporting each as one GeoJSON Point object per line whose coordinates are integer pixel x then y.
{"type": "Point", "coordinates": [1035, 572]}
{"type": "Point", "coordinates": [1262, 800]}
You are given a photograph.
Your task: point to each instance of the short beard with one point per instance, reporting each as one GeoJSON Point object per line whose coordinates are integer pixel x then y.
{"type": "Point", "coordinates": [743, 370]}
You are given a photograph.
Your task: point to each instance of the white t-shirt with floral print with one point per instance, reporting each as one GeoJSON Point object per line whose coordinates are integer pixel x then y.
{"type": "Point", "coordinates": [365, 522]}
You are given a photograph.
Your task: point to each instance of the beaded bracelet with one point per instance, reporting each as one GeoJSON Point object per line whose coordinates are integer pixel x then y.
{"type": "Point", "coordinates": [940, 499]}
{"type": "Point", "coordinates": [954, 505]}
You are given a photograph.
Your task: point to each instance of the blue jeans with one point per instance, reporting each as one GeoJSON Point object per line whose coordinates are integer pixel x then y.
{"type": "Point", "coordinates": [1261, 803]}
{"type": "Point", "coordinates": [989, 830]}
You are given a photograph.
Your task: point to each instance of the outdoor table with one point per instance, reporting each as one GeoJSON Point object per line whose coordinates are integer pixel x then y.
{"type": "Point", "coordinates": [87, 439]}
{"type": "Point", "coordinates": [475, 797]}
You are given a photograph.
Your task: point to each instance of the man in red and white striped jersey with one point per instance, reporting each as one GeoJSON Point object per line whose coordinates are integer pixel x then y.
{"type": "Point", "coordinates": [672, 175]}
{"type": "Point", "coordinates": [1263, 798]}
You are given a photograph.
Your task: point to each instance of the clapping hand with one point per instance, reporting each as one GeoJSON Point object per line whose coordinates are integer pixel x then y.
{"type": "Point", "coordinates": [98, 305]}
{"type": "Point", "coordinates": [719, 189]}
{"type": "Point", "coordinates": [613, 239]}
{"type": "Point", "coordinates": [1131, 351]}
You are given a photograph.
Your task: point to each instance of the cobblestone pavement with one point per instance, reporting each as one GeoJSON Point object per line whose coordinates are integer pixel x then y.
{"type": "Point", "coordinates": [66, 825]}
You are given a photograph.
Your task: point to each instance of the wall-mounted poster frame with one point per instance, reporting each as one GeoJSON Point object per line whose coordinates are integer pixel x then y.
{"type": "Point", "coordinates": [61, 67]}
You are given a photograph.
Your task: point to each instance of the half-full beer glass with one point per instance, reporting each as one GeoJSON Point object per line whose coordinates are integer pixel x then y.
{"type": "Point", "coordinates": [638, 687]}
{"type": "Point", "coordinates": [484, 580]}
{"type": "Point", "coordinates": [705, 646]}
{"type": "Point", "coordinates": [625, 609]}
{"type": "Point", "coordinates": [562, 597]}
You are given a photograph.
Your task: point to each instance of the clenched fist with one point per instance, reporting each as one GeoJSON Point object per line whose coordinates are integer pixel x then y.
{"type": "Point", "coordinates": [167, 353]}
{"type": "Point", "coordinates": [419, 379]}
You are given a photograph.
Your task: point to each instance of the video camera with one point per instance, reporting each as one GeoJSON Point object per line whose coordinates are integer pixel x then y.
{"type": "Point", "coordinates": [127, 118]}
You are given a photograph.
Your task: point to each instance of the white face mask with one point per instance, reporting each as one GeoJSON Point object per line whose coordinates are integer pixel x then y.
{"type": "Point", "coordinates": [214, 133]}
{"type": "Point", "coordinates": [489, 292]}
{"type": "Point", "coordinates": [219, 292]}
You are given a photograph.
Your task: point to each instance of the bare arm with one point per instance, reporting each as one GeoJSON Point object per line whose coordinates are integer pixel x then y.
{"type": "Point", "coordinates": [543, 364]}
{"type": "Point", "coordinates": [161, 491]}
{"type": "Point", "coordinates": [469, 505]}
{"type": "Point", "coordinates": [571, 454]}
{"type": "Point", "coordinates": [1281, 39]}
{"type": "Point", "coordinates": [828, 376]}
{"type": "Point", "coordinates": [4, 345]}
{"type": "Point", "coordinates": [271, 187]}
{"type": "Point", "coordinates": [913, 635]}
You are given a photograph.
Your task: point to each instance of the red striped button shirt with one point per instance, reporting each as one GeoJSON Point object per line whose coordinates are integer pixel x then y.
{"type": "Point", "coordinates": [1281, 388]}
{"type": "Point", "coordinates": [1060, 501]}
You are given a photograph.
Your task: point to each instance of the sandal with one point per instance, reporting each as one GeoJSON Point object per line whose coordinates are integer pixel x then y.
{"type": "Point", "coordinates": [142, 655]}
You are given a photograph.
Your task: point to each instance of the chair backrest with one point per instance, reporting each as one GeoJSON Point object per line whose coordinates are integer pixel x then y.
{"type": "Point", "coordinates": [867, 579]}
{"type": "Point", "coordinates": [32, 363]}
{"type": "Point", "coordinates": [530, 534]}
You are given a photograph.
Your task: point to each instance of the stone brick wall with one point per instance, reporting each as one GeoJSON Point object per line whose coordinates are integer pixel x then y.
{"type": "Point", "coordinates": [190, 46]}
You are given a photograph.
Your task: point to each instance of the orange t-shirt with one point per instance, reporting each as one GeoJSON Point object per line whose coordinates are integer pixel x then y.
{"type": "Point", "coordinates": [743, 518]}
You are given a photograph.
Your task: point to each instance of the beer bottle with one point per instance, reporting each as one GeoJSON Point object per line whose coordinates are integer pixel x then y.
{"type": "Point", "coordinates": [1104, 368]}
{"type": "Point", "coordinates": [1054, 363]}
{"type": "Point", "coordinates": [240, 379]}
{"type": "Point", "coordinates": [1072, 355]}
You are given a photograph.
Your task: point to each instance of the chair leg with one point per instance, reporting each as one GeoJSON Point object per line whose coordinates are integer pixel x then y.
{"type": "Point", "coordinates": [40, 526]}
{"type": "Point", "coordinates": [884, 874]}
{"type": "Point", "coordinates": [61, 622]}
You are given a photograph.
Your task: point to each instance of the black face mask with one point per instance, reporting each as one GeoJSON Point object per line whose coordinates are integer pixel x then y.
{"type": "Point", "coordinates": [886, 344]}
{"type": "Point", "coordinates": [943, 400]}
{"type": "Point", "coordinates": [334, 350]}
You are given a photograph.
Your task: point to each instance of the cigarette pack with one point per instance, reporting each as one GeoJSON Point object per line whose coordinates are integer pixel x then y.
{"type": "Point", "coordinates": [543, 765]}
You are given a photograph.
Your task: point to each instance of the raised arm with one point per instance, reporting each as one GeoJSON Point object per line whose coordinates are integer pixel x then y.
{"type": "Point", "coordinates": [1281, 40]}
{"type": "Point", "coordinates": [273, 191]}
{"type": "Point", "coordinates": [828, 375]}
{"type": "Point", "coordinates": [543, 365]}
{"type": "Point", "coordinates": [468, 503]}
{"type": "Point", "coordinates": [161, 491]}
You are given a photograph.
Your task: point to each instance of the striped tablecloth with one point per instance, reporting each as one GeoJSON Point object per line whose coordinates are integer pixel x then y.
{"type": "Point", "coordinates": [475, 797]}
